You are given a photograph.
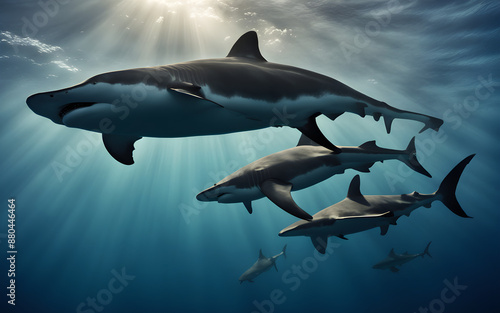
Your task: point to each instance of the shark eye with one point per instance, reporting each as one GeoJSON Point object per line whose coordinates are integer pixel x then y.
{"type": "Point", "coordinates": [416, 193]}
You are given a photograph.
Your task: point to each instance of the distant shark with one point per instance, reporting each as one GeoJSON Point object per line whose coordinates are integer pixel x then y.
{"type": "Point", "coordinates": [262, 265]}
{"type": "Point", "coordinates": [276, 175]}
{"type": "Point", "coordinates": [358, 212]}
{"type": "Point", "coordinates": [206, 97]}
{"type": "Point", "coordinates": [394, 259]}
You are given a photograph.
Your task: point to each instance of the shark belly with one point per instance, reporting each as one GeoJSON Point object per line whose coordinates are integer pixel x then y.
{"type": "Point", "coordinates": [149, 111]}
{"type": "Point", "coordinates": [285, 111]}
{"type": "Point", "coordinates": [356, 225]}
{"type": "Point", "coordinates": [315, 176]}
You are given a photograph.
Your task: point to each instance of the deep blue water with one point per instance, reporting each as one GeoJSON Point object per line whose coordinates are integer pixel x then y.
{"type": "Point", "coordinates": [77, 230]}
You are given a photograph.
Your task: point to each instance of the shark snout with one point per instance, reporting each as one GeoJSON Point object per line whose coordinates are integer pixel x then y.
{"type": "Point", "coordinates": [209, 194]}
{"type": "Point", "coordinates": [46, 105]}
{"type": "Point", "coordinates": [55, 104]}
{"type": "Point", "coordinates": [288, 232]}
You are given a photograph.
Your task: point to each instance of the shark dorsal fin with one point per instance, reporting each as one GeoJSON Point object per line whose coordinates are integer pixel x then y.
{"type": "Point", "coordinates": [392, 254]}
{"type": "Point", "coordinates": [306, 141]}
{"type": "Point", "coordinates": [369, 145]}
{"type": "Point", "coordinates": [354, 192]}
{"type": "Point", "coordinates": [247, 47]}
{"type": "Point", "coordinates": [261, 256]}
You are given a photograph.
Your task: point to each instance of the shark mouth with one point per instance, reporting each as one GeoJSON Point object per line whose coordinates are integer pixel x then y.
{"type": "Point", "coordinates": [73, 106]}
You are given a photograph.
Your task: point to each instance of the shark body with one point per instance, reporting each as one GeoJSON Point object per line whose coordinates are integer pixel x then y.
{"type": "Point", "coordinates": [263, 264]}
{"type": "Point", "coordinates": [276, 175]}
{"type": "Point", "coordinates": [206, 97]}
{"type": "Point", "coordinates": [393, 259]}
{"type": "Point", "coordinates": [358, 212]}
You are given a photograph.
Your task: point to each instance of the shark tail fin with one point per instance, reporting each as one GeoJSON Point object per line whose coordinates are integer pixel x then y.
{"type": "Point", "coordinates": [411, 160]}
{"type": "Point", "coordinates": [449, 185]}
{"type": "Point", "coordinates": [426, 251]}
{"type": "Point", "coordinates": [284, 251]}
{"type": "Point", "coordinates": [433, 123]}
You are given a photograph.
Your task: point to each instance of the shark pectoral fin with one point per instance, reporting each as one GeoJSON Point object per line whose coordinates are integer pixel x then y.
{"type": "Point", "coordinates": [320, 243]}
{"type": "Point", "coordinates": [189, 89]}
{"type": "Point", "coordinates": [120, 147]}
{"type": "Point", "coordinates": [394, 269]}
{"type": "Point", "coordinates": [384, 229]}
{"type": "Point", "coordinates": [342, 237]}
{"type": "Point", "coordinates": [279, 193]}
{"type": "Point", "coordinates": [248, 206]}
{"type": "Point", "coordinates": [311, 130]}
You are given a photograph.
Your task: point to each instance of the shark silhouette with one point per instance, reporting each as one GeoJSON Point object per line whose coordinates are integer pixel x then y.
{"type": "Point", "coordinates": [263, 264]}
{"type": "Point", "coordinates": [358, 212]}
{"type": "Point", "coordinates": [276, 175]}
{"type": "Point", "coordinates": [206, 97]}
{"type": "Point", "coordinates": [394, 259]}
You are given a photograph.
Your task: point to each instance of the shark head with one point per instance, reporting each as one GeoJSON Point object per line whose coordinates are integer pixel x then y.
{"type": "Point", "coordinates": [104, 102]}
{"type": "Point", "coordinates": [222, 192]}
{"type": "Point", "coordinates": [307, 228]}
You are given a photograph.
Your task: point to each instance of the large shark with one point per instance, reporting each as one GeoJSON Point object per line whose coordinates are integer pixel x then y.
{"type": "Point", "coordinates": [276, 175]}
{"type": "Point", "coordinates": [358, 212]}
{"type": "Point", "coordinates": [206, 97]}
{"type": "Point", "coordinates": [263, 264]}
{"type": "Point", "coordinates": [394, 259]}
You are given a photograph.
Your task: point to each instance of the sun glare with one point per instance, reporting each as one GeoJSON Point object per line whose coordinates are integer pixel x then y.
{"type": "Point", "coordinates": [157, 31]}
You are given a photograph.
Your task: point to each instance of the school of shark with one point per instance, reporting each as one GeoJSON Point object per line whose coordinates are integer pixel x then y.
{"type": "Point", "coordinates": [242, 92]}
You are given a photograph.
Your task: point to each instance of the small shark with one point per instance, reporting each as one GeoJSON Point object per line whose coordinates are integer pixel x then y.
{"type": "Point", "coordinates": [276, 175]}
{"type": "Point", "coordinates": [394, 259]}
{"type": "Point", "coordinates": [262, 265]}
{"type": "Point", "coordinates": [237, 93]}
{"type": "Point", "coordinates": [357, 212]}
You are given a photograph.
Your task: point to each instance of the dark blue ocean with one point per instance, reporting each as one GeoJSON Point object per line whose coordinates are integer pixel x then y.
{"type": "Point", "coordinates": [94, 235]}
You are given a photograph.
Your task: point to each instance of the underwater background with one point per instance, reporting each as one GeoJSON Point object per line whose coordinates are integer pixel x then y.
{"type": "Point", "coordinates": [135, 239]}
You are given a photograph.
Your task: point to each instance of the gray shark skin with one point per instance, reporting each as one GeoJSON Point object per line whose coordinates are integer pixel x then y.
{"type": "Point", "coordinates": [263, 264]}
{"type": "Point", "coordinates": [237, 93]}
{"type": "Point", "coordinates": [394, 259]}
{"type": "Point", "coordinates": [357, 212]}
{"type": "Point", "coordinates": [276, 175]}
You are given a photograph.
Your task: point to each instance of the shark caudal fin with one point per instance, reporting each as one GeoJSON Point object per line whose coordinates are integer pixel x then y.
{"type": "Point", "coordinates": [426, 251]}
{"type": "Point", "coordinates": [284, 251]}
{"type": "Point", "coordinates": [433, 123]}
{"type": "Point", "coordinates": [446, 190]}
{"type": "Point", "coordinates": [411, 160]}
